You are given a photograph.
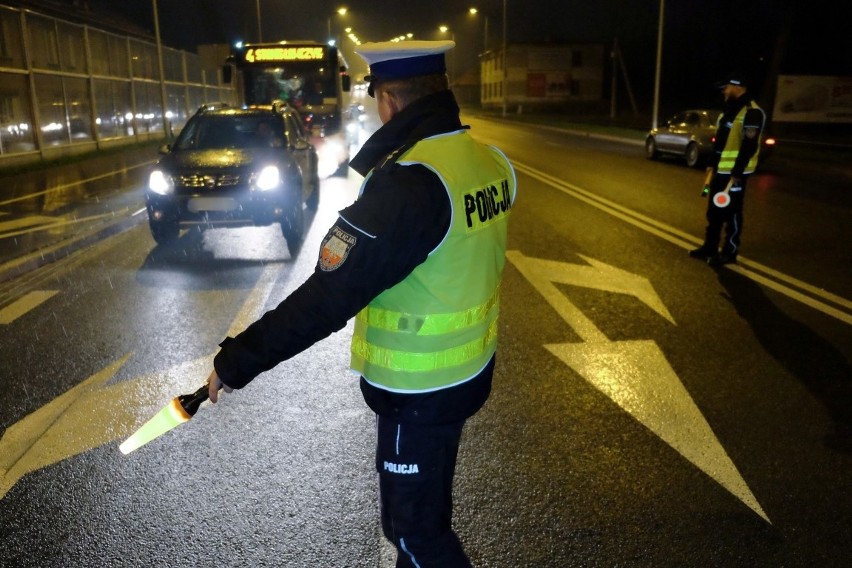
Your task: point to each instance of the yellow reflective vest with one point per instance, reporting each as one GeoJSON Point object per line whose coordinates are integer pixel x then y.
{"type": "Point", "coordinates": [438, 327]}
{"type": "Point", "coordinates": [734, 141]}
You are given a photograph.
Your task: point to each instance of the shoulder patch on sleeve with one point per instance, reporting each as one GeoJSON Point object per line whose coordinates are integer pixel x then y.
{"type": "Point", "coordinates": [335, 248]}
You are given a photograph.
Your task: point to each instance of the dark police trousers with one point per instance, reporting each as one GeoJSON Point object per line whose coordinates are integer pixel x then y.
{"type": "Point", "coordinates": [730, 217]}
{"type": "Point", "coordinates": [416, 465]}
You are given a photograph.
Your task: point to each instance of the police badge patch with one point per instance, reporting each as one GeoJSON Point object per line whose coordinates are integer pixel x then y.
{"type": "Point", "coordinates": [335, 248]}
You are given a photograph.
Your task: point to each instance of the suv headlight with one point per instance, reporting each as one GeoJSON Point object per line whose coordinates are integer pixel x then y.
{"type": "Point", "coordinates": [268, 178]}
{"type": "Point", "coordinates": [160, 182]}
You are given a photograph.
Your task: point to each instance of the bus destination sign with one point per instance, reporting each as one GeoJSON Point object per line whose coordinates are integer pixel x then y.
{"type": "Point", "coordinates": [272, 54]}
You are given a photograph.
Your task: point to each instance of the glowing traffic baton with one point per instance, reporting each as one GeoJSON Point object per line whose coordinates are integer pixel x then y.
{"type": "Point", "coordinates": [707, 179]}
{"type": "Point", "coordinates": [178, 411]}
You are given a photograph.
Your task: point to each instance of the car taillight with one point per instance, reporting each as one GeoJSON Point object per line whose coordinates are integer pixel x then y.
{"type": "Point", "coordinates": [769, 142]}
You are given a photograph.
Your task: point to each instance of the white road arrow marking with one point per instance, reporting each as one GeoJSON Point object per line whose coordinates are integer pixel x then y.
{"type": "Point", "coordinates": [634, 374]}
{"type": "Point", "coordinates": [92, 414]}
{"type": "Point", "coordinates": [24, 304]}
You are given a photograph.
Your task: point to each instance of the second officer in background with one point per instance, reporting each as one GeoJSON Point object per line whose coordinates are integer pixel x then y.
{"type": "Point", "coordinates": [735, 152]}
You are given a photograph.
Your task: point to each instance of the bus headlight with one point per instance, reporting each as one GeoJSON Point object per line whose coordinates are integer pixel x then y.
{"type": "Point", "coordinates": [160, 182]}
{"type": "Point", "coordinates": [268, 178]}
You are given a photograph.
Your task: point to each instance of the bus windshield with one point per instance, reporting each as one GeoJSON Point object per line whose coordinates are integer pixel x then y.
{"type": "Point", "coordinates": [308, 76]}
{"type": "Point", "coordinates": [298, 85]}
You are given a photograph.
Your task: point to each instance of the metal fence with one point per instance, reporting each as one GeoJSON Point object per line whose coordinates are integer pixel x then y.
{"type": "Point", "coordinates": [66, 87]}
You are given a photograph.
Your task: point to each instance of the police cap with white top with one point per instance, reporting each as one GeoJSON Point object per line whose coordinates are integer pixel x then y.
{"type": "Point", "coordinates": [390, 60]}
{"type": "Point", "coordinates": [736, 78]}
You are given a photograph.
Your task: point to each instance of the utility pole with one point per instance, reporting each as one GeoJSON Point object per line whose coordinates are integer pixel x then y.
{"type": "Point", "coordinates": [614, 89]}
{"type": "Point", "coordinates": [618, 62]}
{"type": "Point", "coordinates": [659, 62]}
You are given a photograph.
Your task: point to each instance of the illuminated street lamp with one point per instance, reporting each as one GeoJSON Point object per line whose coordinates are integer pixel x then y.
{"type": "Point", "coordinates": [444, 29]}
{"type": "Point", "coordinates": [474, 12]}
{"type": "Point", "coordinates": [342, 11]}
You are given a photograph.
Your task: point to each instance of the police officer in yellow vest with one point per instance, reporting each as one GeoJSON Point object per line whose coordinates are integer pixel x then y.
{"type": "Point", "coordinates": [417, 260]}
{"type": "Point", "coordinates": [735, 152]}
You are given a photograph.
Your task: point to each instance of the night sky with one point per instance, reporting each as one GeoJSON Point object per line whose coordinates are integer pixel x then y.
{"type": "Point", "coordinates": [703, 39]}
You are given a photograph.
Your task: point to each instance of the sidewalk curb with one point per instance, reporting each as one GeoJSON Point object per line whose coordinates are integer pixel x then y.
{"type": "Point", "coordinates": [595, 135]}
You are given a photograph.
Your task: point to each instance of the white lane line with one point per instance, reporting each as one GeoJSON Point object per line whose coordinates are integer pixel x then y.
{"type": "Point", "coordinates": [72, 184]}
{"type": "Point", "coordinates": [253, 306]}
{"type": "Point", "coordinates": [63, 223]}
{"type": "Point", "coordinates": [64, 427]}
{"type": "Point", "coordinates": [26, 222]}
{"type": "Point", "coordinates": [686, 241]}
{"type": "Point", "coordinates": [24, 304]}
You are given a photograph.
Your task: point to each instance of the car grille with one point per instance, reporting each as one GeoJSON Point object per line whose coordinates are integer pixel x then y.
{"type": "Point", "coordinates": [197, 181]}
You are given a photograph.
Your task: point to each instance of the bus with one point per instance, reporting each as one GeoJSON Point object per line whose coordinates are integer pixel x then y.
{"type": "Point", "coordinates": [310, 77]}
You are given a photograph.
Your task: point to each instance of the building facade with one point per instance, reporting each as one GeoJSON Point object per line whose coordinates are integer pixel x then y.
{"type": "Point", "coordinates": [542, 76]}
{"type": "Point", "coordinates": [67, 88]}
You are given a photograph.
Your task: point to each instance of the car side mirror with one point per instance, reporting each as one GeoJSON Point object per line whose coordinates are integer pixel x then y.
{"type": "Point", "coordinates": [164, 149]}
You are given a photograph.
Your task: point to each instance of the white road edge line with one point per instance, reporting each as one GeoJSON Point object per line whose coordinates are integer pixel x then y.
{"type": "Point", "coordinates": [687, 241]}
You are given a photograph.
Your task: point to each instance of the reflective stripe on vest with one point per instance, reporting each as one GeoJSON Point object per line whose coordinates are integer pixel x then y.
{"type": "Point", "coordinates": [733, 143]}
{"type": "Point", "coordinates": [434, 324]}
{"type": "Point", "coordinates": [412, 362]}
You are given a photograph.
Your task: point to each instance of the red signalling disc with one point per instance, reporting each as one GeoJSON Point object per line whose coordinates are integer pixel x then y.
{"type": "Point", "coordinates": [721, 199]}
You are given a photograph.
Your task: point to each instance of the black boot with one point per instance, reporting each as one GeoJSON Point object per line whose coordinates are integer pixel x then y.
{"type": "Point", "coordinates": [720, 259]}
{"type": "Point", "coordinates": [702, 252]}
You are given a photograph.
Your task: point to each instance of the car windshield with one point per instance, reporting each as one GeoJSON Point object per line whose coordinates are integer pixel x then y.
{"type": "Point", "coordinates": [250, 131]}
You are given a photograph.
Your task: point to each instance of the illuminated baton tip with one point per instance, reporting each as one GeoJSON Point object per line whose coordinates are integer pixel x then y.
{"type": "Point", "coordinates": [170, 416]}
{"type": "Point", "coordinates": [178, 411]}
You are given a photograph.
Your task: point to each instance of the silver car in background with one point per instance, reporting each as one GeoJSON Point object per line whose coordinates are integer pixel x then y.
{"type": "Point", "coordinates": [688, 134]}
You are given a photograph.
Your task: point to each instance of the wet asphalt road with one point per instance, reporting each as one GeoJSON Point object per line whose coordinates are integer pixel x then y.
{"type": "Point", "coordinates": [647, 410]}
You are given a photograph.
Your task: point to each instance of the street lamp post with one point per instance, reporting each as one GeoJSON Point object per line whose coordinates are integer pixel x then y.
{"type": "Point", "coordinates": [505, 64]}
{"type": "Point", "coordinates": [659, 60]}
{"type": "Point", "coordinates": [444, 30]}
{"type": "Point", "coordinates": [163, 97]}
{"type": "Point", "coordinates": [342, 11]}
{"type": "Point", "coordinates": [259, 27]}
{"type": "Point", "coordinates": [474, 12]}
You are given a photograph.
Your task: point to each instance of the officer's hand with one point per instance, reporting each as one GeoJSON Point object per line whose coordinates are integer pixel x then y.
{"type": "Point", "coordinates": [214, 383]}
